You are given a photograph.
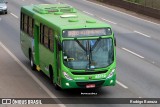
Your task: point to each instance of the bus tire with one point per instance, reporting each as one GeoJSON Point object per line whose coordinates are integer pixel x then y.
{"type": "Point", "coordinates": [33, 66]}
{"type": "Point", "coordinates": [57, 87]}
{"type": "Point", "coordinates": [52, 79]}
{"type": "Point", "coordinates": [51, 74]}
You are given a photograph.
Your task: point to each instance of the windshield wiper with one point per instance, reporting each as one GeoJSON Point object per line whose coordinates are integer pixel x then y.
{"type": "Point", "coordinates": [88, 50]}
{"type": "Point", "coordinates": [96, 43]}
{"type": "Point", "coordinates": [80, 45]}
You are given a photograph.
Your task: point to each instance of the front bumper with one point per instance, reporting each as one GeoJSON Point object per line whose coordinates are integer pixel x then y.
{"type": "Point", "coordinates": [3, 11]}
{"type": "Point", "coordinates": [67, 84]}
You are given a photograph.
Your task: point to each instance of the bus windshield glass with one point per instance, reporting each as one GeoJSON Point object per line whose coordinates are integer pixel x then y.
{"type": "Point", "coordinates": [2, 1]}
{"type": "Point", "coordinates": [87, 32]}
{"type": "Point", "coordinates": [88, 54]}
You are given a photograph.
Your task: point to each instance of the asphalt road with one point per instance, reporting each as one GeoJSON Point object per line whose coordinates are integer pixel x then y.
{"type": "Point", "coordinates": [138, 61]}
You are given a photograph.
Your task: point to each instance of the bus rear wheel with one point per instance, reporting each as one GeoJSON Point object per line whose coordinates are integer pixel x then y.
{"type": "Point", "coordinates": [51, 74]}
{"type": "Point", "coordinates": [33, 66]}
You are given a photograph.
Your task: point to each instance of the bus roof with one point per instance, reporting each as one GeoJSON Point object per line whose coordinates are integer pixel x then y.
{"type": "Point", "coordinates": [62, 16]}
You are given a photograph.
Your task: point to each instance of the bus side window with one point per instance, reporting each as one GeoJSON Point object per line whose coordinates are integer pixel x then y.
{"type": "Point", "coordinates": [46, 36]}
{"type": "Point", "coordinates": [26, 23]}
{"type": "Point", "coordinates": [31, 25]}
{"type": "Point", "coordinates": [41, 34]}
{"type": "Point", "coordinates": [22, 21]}
{"type": "Point", "coordinates": [51, 40]}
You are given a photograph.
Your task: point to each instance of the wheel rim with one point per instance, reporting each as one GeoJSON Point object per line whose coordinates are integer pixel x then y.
{"type": "Point", "coordinates": [31, 62]}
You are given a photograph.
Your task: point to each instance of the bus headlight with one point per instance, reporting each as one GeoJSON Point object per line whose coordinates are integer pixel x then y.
{"type": "Point", "coordinates": [67, 76]}
{"type": "Point", "coordinates": [111, 73]}
{"type": "Point", "coordinates": [4, 8]}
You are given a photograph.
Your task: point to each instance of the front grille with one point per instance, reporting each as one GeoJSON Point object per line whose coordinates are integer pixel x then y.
{"type": "Point", "coordinates": [88, 72]}
{"type": "Point", "coordinates": [83, 84]}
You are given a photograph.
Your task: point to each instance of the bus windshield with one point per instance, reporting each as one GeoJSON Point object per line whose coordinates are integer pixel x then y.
{"type": "Point", "coordinates": [2, 1]}
{"type": "Point", "coordinates": [88, 54]}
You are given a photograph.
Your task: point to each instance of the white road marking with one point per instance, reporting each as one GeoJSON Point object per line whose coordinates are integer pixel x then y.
{"type": "Point", "coordinates": [108, 21]}
{"type": "Point", "coordinates": [153, 62]}
{"type": "Point", "coordinates": [142, 34]}
{"type": "Point", "coordinates": [123, 13]}
{"type": "Point", "coordinates": [88, 13]}
{"type": "Point", "coordinates": [69, 5]}
{"type": "Point", "coordinates": [14, 15]}
{"type": "Point", "coordinates": [119, 83]}
{"type": "Point", "coordinates": [133, 53]}
{"type": "Point", "coordinates": [30, 74]}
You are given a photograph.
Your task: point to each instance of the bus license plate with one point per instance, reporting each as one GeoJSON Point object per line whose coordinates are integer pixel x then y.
{"type": "Point", "coordinates": [90, 86]}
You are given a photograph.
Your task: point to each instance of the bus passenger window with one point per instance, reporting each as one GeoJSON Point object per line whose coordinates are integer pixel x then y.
{"type": "Point", "coordinates": [22, 21]}
{"type": "Point", "coordinates": [30, 27]}
{"type": "Point", "coordinates": [51, 40]}
{"type": "Point", "coordinates": [46, 36]}
{"type": "Point", "coordinates": [26, 23]}
{"type": "Point", "coordinates": [41, 34]}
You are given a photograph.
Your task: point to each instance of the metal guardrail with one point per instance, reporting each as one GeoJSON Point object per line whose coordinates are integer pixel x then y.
{"type": "Point", "coordinates": [139, 8]}
{"type": "Point", "coordinates": [155, 4]}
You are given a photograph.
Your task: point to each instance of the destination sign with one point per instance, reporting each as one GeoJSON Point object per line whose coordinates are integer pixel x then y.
{"type": "Point", "coordinates": [87, 32]}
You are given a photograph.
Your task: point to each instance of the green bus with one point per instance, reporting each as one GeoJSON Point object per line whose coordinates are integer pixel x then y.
{"type": "Point", "coordinates": [74, 50]}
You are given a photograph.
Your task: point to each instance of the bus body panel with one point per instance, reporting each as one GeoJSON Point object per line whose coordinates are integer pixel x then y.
{"type": "Point", "coordinates": [82, 84]}
{"type": "Point", "coordinates": [46, 58]}
{"type": "Point", "coordinates": [26, 43]}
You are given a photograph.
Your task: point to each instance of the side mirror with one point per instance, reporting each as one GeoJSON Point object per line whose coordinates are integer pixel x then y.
{"type": "Point", "coordinates": [6, 2]}
{"type": "Point", "coordinates": [59, 46]}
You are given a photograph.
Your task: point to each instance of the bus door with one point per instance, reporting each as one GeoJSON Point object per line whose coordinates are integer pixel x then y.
{"type": "Point", "coordinates": [58, 49]}
{"type": "Point", "coordinates": [36, 44]}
